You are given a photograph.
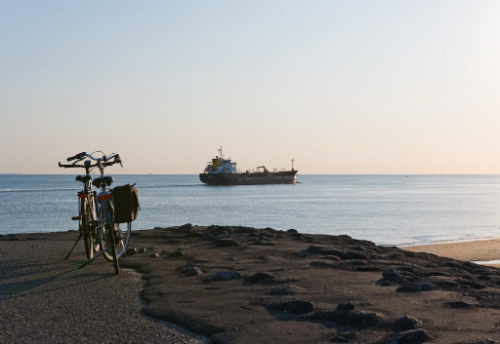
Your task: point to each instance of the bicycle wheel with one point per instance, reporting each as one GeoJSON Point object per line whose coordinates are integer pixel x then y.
{"type": "Point", "coordinates": [112, 246]}
{"type": "Point", "coordinates": [86, 226]}
{"type": "Point", "coordinates": [95, 220]}
{"type": "Point", "coordinates": [121, 240]}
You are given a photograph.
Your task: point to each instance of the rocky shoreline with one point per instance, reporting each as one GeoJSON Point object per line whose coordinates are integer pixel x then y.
{"type": "Point", "coordinates": [248, 285]}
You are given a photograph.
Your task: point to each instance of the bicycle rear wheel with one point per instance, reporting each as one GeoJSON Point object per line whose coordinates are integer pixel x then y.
{"type": "Point", "coordinates": [86, 223]}
{"type": "Point", "coordinates": [121, 240]}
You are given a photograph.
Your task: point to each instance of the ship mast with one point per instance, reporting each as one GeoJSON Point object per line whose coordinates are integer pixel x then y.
{"type": "Point", "coordinates": [292, 164]}
{"type": "Point", "coordinates": [220, 151]}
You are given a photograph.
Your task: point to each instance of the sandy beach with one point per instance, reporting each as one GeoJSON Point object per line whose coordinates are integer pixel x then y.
{"type": "Point", "coordinates": [475, 250]}
{"type": "Point", "coordinates": [247, 285]}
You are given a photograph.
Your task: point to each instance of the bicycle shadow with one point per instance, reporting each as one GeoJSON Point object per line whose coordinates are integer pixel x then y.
{"type": "Point", "coordinates": [65, 274]}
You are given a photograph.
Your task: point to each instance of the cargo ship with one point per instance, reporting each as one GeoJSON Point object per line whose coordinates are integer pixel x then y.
{"type": "Point", "coordinates": [222, 171]}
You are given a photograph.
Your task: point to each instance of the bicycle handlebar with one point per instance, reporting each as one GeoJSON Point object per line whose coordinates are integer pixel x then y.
{"type": "Point", "coordinates": [104, 161]}
{"type": "Point", "coordinates": [79, 156]}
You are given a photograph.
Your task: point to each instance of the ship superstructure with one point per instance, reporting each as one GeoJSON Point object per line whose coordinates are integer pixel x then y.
{"type": "Point", "coordinates": [222, 171]}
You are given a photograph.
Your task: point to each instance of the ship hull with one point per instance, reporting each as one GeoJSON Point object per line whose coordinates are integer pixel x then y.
{"type": "Point", "coordinates": [261, 178]}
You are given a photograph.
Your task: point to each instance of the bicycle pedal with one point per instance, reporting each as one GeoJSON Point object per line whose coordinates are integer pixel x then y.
{"type": "Point", "coordinates": [74, 218]}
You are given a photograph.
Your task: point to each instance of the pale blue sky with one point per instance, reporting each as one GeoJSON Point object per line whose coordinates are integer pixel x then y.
{"type": "Point", "coordinates": [341, 86]}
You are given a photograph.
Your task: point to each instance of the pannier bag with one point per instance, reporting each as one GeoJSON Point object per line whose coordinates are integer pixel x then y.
{"type": "Point", "coordinates": [126, 203]}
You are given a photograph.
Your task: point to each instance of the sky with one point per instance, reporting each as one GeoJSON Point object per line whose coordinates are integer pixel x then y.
{"type": "Point", "coordinates": [343, 87]}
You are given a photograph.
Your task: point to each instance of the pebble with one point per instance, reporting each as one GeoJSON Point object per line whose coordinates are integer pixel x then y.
{"type": "Point", "coordinates": [192, 271]}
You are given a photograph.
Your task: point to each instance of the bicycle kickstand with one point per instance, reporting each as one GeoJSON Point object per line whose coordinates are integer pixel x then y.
{"type": "Point", "coordinates": [76, 242]}
{"type": "Point", "coordinates": [94, 258]}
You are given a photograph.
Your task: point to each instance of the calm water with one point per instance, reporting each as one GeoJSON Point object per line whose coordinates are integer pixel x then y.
{"type": "Point", "coordinates": [390, 209]}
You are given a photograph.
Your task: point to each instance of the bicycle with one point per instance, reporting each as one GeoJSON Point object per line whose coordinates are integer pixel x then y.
{"type": "Point", "coordinates": [101, 232]}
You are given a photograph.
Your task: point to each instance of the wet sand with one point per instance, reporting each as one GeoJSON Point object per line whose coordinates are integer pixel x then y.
{"type": "Point", "coordinates": [248, 285]}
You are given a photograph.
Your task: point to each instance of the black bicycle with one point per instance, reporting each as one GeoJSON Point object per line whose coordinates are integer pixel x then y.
{"type": "Point", "coordinates": [100, 214]}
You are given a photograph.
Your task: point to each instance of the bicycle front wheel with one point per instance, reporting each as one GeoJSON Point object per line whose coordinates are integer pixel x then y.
{"type": "Point", "coordinates": [121, 237]}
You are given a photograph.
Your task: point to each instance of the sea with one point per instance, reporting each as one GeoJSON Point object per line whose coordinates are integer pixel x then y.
{"type": "Point", "coordinates": [386, 209]}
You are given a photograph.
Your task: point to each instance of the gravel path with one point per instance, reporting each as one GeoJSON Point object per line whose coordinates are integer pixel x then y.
{"type": "Point", "coordinates": [44, 299]}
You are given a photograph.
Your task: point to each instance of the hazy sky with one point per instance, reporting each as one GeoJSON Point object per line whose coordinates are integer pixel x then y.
{"type": "Point", "coordinates": [341, 86]}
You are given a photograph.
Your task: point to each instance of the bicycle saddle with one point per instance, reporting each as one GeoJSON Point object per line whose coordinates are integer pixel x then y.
{"type": "Point", "coordinates": [103, 180]}
{"type": "Point", "coordinates": [83, 178]}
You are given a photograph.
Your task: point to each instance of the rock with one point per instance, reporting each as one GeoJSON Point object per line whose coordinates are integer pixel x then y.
{"type": "Point", "coordinates": [177, 253]}
{"type": "Point", "coordinates": [291, 230]}
{"type": "Point", "coordinates": [368, 269]}
{"type": "Point", "coordinates": [303, 253]}
{"type": "Point", "coordinates": [385, 283]}
{"type": "Point", "coordinates": [208, 237]}
{"type": "Point", "coordinates": [264, 243]}
{"type": "Point", "coordinates": [356, 262]}
{"type": "Point", "coordinates": [471, 284]}
{"type": "Point", "coordinates": [424, 286]}
{"type": "Point", "coordinates": [131, 251]}
{"type": "Point", "coordinates": [186, 226]}
{"type": "Point", "coordinates": [224, 276]}
{"type": "Point", "coordinates": [142, 250]}
{"type": "Point", "coordinates": [355, 255]}
{"type": "Point", "coordinates": [314, 249]}
{"type": "Point", "coordinates": [458, 304]}
{"type": "Point", "coordinates": [226, 243]}
{"type": "Point", "coordinates": [297, 306]}
{"type": "Point", "coordinates": [290, 289]}
{"type": "Point", "coordinates": [436, 273]}
{"type": "Point", "coordinates": [460, 267]}
{"type": "Point", "coordinates": [407, 275]}
{"type": "Point", "coordinates": [336, 315]}
{"type": "Point", "coordinates": [447, 284]}
{"type": "Point", "coordinates": [344, 337]}
{"type": "Point", "coordinates": [411, 337]}
{"type": "Point", "coordinates": [362, 319]}
{"type": "Point", "coordinates": [396, 256]}
{"type": "Point", "coordinates": [482, 341]}
{"type": "Point", "coordinates": [409, 289]}
{"type": "Point", "coordinates": [405, 323]}
{"type": "Point", "coordinates": [321, 264]}
{"type": "Point", "coordinates": [391, 275]}
{"type": "Point", "coordinates": [345, 307]}
{"type": "Point", "coordinates": [260, 277]}
{"type": "Point", "coordinates": [192, 271]}
{"type": "Point", "coordinates": [268, 235]}
{"type": "Point", "coordinates": [335, 258]}
{"type": "Point", "coordinates": [333, 252]}
{"type": "Point", "coordinates": [247, 230]}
